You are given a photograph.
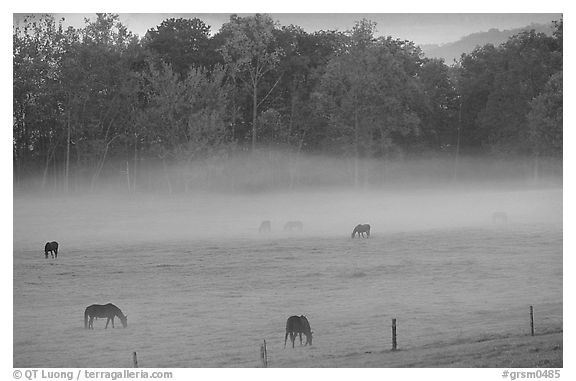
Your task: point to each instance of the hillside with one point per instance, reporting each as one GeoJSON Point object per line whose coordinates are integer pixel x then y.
{"type": "Point", "coordinates": [453, 50]}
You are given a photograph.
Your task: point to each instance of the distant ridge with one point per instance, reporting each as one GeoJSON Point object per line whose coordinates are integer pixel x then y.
{"type": "Point", "coordinates": [453, 50]}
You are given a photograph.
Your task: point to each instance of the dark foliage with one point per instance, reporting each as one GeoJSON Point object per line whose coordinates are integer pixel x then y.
{"type": "Point", "coordinates": [99, 100]}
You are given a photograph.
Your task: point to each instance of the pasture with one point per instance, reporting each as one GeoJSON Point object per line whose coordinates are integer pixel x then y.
{"type": "Point", "coordinates": [202, 288]}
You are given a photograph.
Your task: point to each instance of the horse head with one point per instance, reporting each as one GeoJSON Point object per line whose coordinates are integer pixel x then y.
{"type": "Point", "coordinates": [308, 332]}
{"type": "Point", "coordinates": [309, 338]}
{"type": "Point", "coordinates": [354, 231]}
{"type": "Point", "coordinates": [124, 320]}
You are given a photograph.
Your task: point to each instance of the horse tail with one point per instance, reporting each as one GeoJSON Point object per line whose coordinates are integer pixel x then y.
{"type": "Point", "coordinates": [86, 318]}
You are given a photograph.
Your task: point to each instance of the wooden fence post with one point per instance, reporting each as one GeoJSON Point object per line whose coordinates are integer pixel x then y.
{"type": "Point", "coordinates": [135, 359]}
{"type": "Point", "coordinates": [394, 343]}
{"type": "Point", "coordinates": [264, 355]}
{"type": "Point", "coordinates": [532, 320]}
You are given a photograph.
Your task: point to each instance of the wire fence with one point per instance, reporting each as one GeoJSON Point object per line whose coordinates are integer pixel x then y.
{"type": "Point", "coordinates": [406, 333]}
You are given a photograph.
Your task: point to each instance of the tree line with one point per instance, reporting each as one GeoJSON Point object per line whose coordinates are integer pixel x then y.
{"type": "Point", "coordinates": [98, 99]}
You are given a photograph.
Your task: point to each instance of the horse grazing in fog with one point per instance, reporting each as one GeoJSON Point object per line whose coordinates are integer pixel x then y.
{"type": "Point", "coordinates": [52, 248]}
{"type": "Point", "coordinates": [265, 227]}
{"type": "Point", "coordinates": [298, 325]}
{"type": "Point", "coordinates": [361, 229]}
{"type": "Point", "coordinates": [499, 218]}
{"type": "Point", "coordinates": [294, 225]}
{"type": "Point", "coordinates": [109, 311]}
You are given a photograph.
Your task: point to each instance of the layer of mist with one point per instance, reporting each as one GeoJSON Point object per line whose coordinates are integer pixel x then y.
{"type": "Point", "coordinates": [391, 196]}
{"type": "Point", "coordinates": [276, 170]}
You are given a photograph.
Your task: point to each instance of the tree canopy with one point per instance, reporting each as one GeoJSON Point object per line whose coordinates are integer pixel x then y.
{"type": "Point", "coordinates": [98, 100]}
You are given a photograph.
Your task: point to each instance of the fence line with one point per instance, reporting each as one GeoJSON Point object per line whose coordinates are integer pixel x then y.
{"type": "Point", "coordinates": [264, 356]}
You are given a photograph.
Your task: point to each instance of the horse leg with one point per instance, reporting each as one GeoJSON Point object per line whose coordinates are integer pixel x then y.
{"type": "Point", "coordinates": [91, 323]}
{"type": "Point", "coordinates": [56, 253]}
{"type": "Point", "coordinates": [300, 334]}
{"type": "Point", "coordinates": [285, 339]}
{"type": "Point", "coordinates": [293, 338]}
{"type": "Point", "coordinates": [112, 321]}
{"type": "Point", "coordinates": [107, 321]}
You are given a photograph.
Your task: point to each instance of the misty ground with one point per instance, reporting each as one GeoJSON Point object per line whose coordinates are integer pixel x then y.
{"type": "Point", "coordinates": [202, 288]}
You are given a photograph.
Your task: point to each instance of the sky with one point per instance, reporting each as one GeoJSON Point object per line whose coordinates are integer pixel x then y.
{"type": "Point", "coordinates": [421, 28]}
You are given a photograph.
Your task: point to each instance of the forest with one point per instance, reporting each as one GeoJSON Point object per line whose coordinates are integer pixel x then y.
{"type": "Point", "coordinates": [256, 105]}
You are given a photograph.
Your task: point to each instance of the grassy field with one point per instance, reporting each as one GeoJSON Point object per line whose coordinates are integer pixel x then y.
{"type": "Point", "coordinates": [540, 351]}
{"type": "Point", "coordinates": [202, 288]}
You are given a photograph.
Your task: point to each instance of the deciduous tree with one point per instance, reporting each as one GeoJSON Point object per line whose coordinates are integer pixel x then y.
{"type": "Point", "coordinates": [249, 54]}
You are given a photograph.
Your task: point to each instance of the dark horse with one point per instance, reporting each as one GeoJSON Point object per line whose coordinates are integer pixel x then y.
{"type": "Point", "coordinates": [109, 311]}
{"type": "Point", "coordinates": [265, 227]}
{"type": "Point", "coordinates": [52, 248]}
{"type": "Point", "coordinates": [298, 325]}
{"type": "Point", "coordinates": [361, 229]}
{"type": "Point", "coordinates": [294, 225]}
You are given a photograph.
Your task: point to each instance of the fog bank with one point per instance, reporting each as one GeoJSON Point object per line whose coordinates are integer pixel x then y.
{"type": "Point", "coordinates": [276, 170]}
{"type": "Point", "coordinates": [89, 221]}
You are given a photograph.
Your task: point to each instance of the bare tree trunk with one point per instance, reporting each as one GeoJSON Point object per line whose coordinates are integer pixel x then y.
{"type": "Point", "coordinates": [128, 175]}
{"type": "Point", "coordinates": [292, 111]}
{"type": "Point", "coordinates": [18, 168]}
{"type": "Point", "coordinates": [234, 100]}
{"type": "Point", "coordinates": [167, 176]}
{"type": "Point", "coordinates": [56, 176]}
{"type": "Point", "coordinates": [101, 163]}
{"type": "Point", "coordinates": [233, 115]}
{"type": "Point", "coordinates": [536, 173]}
{"type": "Point", "coordinates": [20, 152]}
{"type": "Point", "coordinates": [292, 162]}
{"type": "Point", "coordinates": [298, 154]}
{"type": "Point", "coordinates": [67, 168]}
{"type": "Point", "coordinates": [457, 156]}
{"type": "Point", "coordinates": [135, 163]}
{"type": "Point", "coordinates": [356, 151]}
{"type": "Point", "coordinates": [254, 113]}
{"type": "Point", "coordinates": [49, 157]}
{"type": "Point", "coordinates": [18, 133]}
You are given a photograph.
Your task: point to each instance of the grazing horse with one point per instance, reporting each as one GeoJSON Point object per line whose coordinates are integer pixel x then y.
{"type": "Point", "coordinates": [109, 311]}
{"type": "Point", "coordinates": [499, 218]}
{"type": "Point", "coordinates": [298, 325]}
{"type": "Point", "coordinates": [294, 225]}
{"type": "Point", "coordinates": [265, 227]}
{"type": "Point", "coordinates": [361, 229]}
{"type": "Point", "coordinates": [52, 248]}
